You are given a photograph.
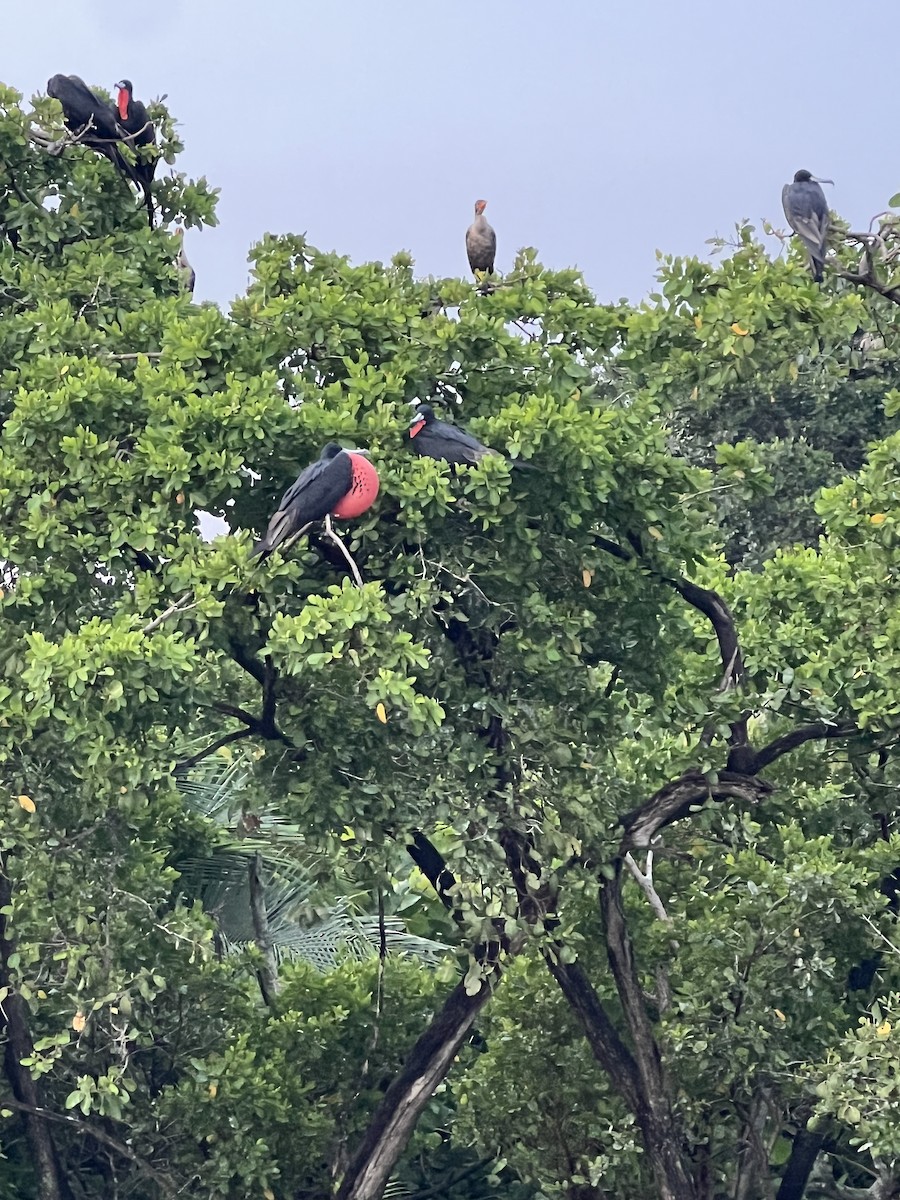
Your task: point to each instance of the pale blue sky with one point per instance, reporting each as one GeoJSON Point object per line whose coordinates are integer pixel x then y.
{"type": "Point", "coordinates": [597, 132]}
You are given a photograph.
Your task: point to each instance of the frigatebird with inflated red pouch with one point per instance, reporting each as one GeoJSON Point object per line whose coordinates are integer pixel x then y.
{"type": "Point", "coordinates": [340, 483]}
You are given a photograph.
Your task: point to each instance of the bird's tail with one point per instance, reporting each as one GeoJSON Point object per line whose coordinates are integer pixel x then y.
{"type": "Point", "coordinates": [518, 465]}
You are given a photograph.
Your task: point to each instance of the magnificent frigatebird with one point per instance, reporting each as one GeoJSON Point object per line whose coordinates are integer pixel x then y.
{"type": "Point", "coordinates": [436, 439]}
{"type": "Point", "coordinates": [91, 119]}
{"type": "Point", "coordinates": [806, 210]}
{"type": "Point", "coordinates": [481, 241]}
{"type": "Point", "coordinates": [340, 482]}
{"type": "Point", "coordinates": [186, 272]}
{"type": "Point", "coordinates": [135, 120]}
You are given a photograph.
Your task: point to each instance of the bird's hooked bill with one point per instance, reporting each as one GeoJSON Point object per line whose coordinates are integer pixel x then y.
{"type": "Point", "coordinates": [816, 179]}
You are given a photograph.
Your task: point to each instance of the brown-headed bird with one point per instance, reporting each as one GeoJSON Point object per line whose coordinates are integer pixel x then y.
{"type": "Point", "coordinates": [481, 241]}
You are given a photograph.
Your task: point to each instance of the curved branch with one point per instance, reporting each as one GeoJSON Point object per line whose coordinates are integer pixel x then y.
{"type": "Point", "coordinates": [797, 737]}
{"type": "Point", "coordinates": [675, 800]}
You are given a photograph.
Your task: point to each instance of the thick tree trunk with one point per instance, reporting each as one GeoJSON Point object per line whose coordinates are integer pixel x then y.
{"type": "Point", "coordinates": [395, 1118]}
{"type": "Point", "coordinates": [636, 1070]}
{"type": "Point", "coordinates": [14, 1023]}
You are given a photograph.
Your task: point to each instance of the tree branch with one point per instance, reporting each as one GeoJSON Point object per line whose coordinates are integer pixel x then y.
{"type": "Point", "coordinates": [98, 1135]}
{"type": "Point", "coordinates": [226, 740]}
{"type": "Point", "coordinates": [269, 984]}
{"type": "Point", "coordinates": [797, 737]}
{"type": "Point", "coordinates": [675, 800]}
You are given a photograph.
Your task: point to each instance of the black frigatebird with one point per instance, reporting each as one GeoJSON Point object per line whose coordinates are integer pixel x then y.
{"type": "Point", "coordinates": [91, 119]}
{"type": "Point", "coordinates": [481, 241]}
{"type": "Point", "coordinates": [135, 120]}
{"type": "Point", "coordinates": [806, 210]}
{"type": "Point", "coordinates": [342, 483]}
{"type": "Point", "coordinates": [436, 439]}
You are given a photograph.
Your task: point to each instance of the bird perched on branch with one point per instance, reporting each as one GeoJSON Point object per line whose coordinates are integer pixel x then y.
{"type": "Point", "coordinates": [340, 483]}
{"type": "Point", "coordinates": [135, 120]}
{"type": "Point", "coordinates": [806, 210]}
{"type": "Point", "coordinates": [432, 438]}
{"type": "Point", "coordinates": [186, 272]}
{"type": "Point", "coordinates": [481, 241]}
{"type": "Point", "coordinates": [90, 119]}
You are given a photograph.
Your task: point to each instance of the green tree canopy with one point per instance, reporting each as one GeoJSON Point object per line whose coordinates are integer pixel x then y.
{"type": "Point", "coordinates": [647, 788]}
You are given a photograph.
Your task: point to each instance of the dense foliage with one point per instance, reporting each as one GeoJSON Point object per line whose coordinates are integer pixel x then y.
{"type": "Point", "coordinates": [642, 789]}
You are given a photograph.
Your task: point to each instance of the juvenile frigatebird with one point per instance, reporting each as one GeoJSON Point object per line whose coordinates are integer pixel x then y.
{"type": "Point", "coordinates": [85, 114]}
{"type": "Point", "coordinates": [341, 483]}
{"type": "Point", "coordinates": [186, 272]}
{"type": "Point", "coordinates": [806, 210]}
{"type": "Point", "coordinates": [481, 241]}
{"type": "Point", "coordinates": [135, 120]}
{"type": "Point", "coordinates": [436, 439]}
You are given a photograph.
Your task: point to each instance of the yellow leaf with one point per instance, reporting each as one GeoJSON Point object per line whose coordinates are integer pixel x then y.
{"type": "Point", "coordinates": [883, 1030]}
{"type": "Point", "coordinates": [381, 713]}
{"type": "Point", "coordinates": [793, 371]}
{"type": "Point", "coordinates": [27, 803]}
{"type": "Point", "coordinates": [179, 499]}
{"type": "Point", "coordinates": [655, 533]}
{"type": "Point", "coordinates": [586, 577]}
{"type": "Point", "coordinates": [698, 322]}
{"type": "Point", "coordinates": [64, 370]}
{"type": "Point", "coordinates": [735, 328]}
{"type": "Point", "coordinates": [213, 1090]}
{"type": "Point", "coordinates": [79, 1021]}
{"type": "Point", "coordinates": [878, 518]}
{"type": "Point", "coordinates": [779, 1014]}
{"type": "Point", "coordinates": [695, 392]}
{"type": "Point", "coordinates": [268, 1194]}
{"type": "Point", "coordinates": [854, 502]}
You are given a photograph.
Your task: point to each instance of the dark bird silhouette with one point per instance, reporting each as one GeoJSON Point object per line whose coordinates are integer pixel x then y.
{"type": "Point", "coordinates": [432, 438]}
{"type": "Point", "coordinates": [340, 482]}
{"type": "Point", "coordinates": [90, 119]}
{"type": "Point", "coordinates": [135, 120]}
{"type": "Point", "coordinates": [806, 210]}
{"type": "Point", "coordinates": [481, 241]}
{"type": "Point", "coordinates": [186, 272]}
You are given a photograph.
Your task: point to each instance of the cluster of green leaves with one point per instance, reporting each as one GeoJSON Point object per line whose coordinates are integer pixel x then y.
{"type": "Point", "coordinates": [499, 671]}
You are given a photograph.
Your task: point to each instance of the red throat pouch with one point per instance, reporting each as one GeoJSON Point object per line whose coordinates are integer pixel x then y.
{"type": "Point", "coordinates": [123, 104]}
{"type": "Point", "coordinates": [417, 428]}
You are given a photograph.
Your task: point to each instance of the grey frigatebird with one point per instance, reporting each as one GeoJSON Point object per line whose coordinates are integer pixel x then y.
{"type": "Point", "coordinates": [433, 438]}
{"type": "Point", "coordinates": [806, 210]}
{"type": "Point", "coordinates": [481, 241]}
{"type": "Point", "coordinates": [341, 483]}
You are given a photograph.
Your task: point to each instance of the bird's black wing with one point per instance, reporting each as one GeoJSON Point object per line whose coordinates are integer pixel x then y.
{"type": "Point", "coordinates": [312, 496]}
{"type": "Point", "coordinates": [454, 445]}
{"type": "Point", "coordinates": [807, 212]}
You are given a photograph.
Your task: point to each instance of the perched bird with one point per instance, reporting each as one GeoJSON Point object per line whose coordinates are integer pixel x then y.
{"type": "Point", "coordinates": [91, 119]}
{"type": "Point", "coordinates": [185, 271]}
{"type": "Point", "coordinates": [432, 438]}
{"type": "Point", "coordinates": [340, 482]}
{"type": "Point", "coordinates": [806, 210]}
{"type": "Point", "coordinates": [481, 241]}
{"type": "Point", "coordinates": [135, 120]}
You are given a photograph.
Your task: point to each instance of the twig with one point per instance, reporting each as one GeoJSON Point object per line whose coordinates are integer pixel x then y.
{"type": "Point", "coordinates": [184, 763]}
{"type": "Point", "coordinates": [354, 569]}
{"type": "Point", "coordinates": [178, 607]}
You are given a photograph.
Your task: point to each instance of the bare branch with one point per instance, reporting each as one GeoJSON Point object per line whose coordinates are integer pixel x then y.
{"type": "Point", "coordinates": [807, 733]}
{"type": "Point", "coordinates": [176, 608]}
{"type": "Point", "coordinates": [354, 569]}
{"type": "Point", "coordinates": [184, 763]}
{"type": "Point", "coordinates": [676, 799]}
{"type": "Point", "coordinates": [644, 881]}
